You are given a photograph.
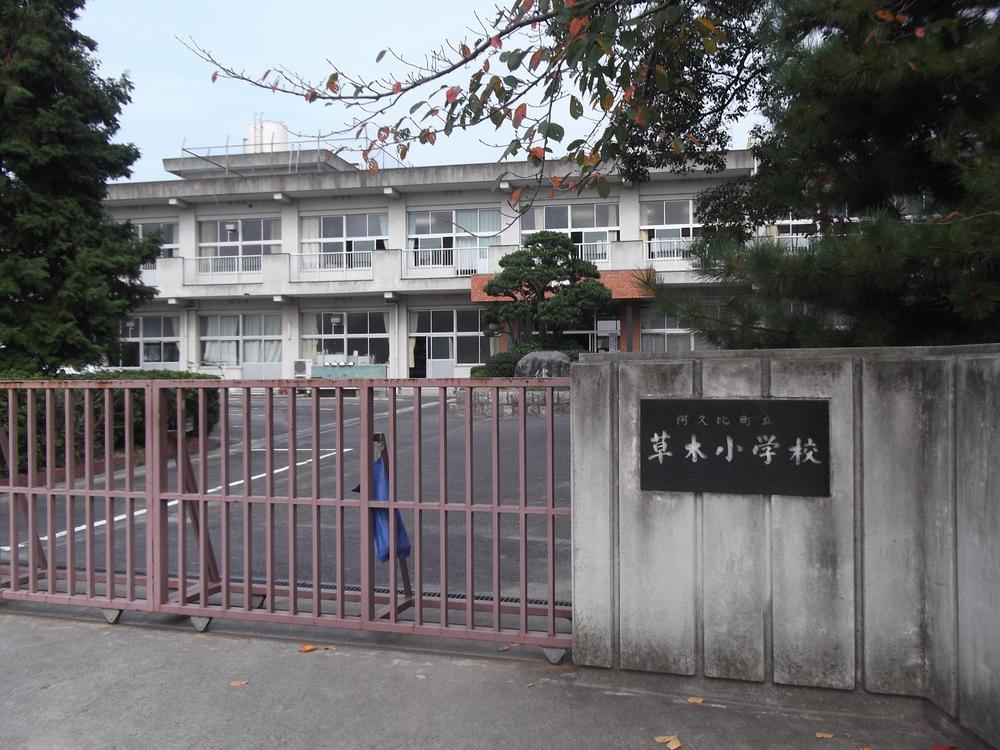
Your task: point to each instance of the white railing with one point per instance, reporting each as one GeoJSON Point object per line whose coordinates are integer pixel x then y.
{"type": "Point", "coordinates": [793, 243]}
{"type": "Point", "coordinates": [223, 269]}
{"type": "Point", "coordinates": [351, 266]}
{"type": "Point", "coordinates": [440, 262]}
{"type": "Point", "coordinates": [595, 252]}
{"type": "Point", "coordinates": [147, 273]}
{"type": "Point", "coordinates": [668, 249]}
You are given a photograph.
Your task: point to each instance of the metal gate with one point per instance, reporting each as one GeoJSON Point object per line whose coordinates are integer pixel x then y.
{"type": "Point", "coordinates": [263, 500]}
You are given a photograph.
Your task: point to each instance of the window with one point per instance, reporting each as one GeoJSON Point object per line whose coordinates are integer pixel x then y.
{"type": "Point", "coordinates": [168, 236]}
{"type": "Point", "coordinates": [344, 241]}
{"type": "Point", "coordinates": [231, 245]}
{"type": "Point", "coordinates": [236, 339]}
{"type": "Point", "coordinates": [591, 226]}
{"type": "Point", "coordinates": [451, 334]}
{"type": "Point", "coordinates": [460, 238]}
{"type": "Point", "coordinates": [662, 333]}
{"type": "Point", "coordinates": [148, 340]}
{"type": "Point", "coordinates": [667, 228]}
{"type": "Point", "coordinates": [342, 333]}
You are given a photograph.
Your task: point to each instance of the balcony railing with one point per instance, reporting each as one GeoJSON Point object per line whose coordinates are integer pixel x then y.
{"type": "Point", "coordinates": [668, 249]}
{"type": "Point", "coordinates": [353, 266]}
{"type": "Point", "coordinates": [223, 269]}
{"type": "Point", "coordinates": [441, 263]}
{"type": "Point", "coordinates": [148, 273]}
{"type": "Point", "coordinates": [595, 252]}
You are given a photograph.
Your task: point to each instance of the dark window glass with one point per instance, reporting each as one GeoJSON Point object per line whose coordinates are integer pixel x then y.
{"type": "Point", "coordinates": [441, 222]}
{"type": "Point", "coordinates": [130, 354]}
{"type": "Point", "coordinates": [152, 326]}
{"type": "Point", "coordinates": [357, 225]}
{"type": "Point", "coordinates": [583, 215]}
{"type": "Point", "coordinates": [151, 352]}
{"type": "Point", "coordinates": [528, 220]}
{"type": "Point", "coordinates": [357, 323]}
{"type": "Point", "coordinates": [376, 322]}
{"type": "Point", "coordinates": [333, 226]}
{"type": "Point", "coordinates": [420, 322]}
{"type": "Point", "coordinates": [358, 345]}
{"type": "Point", "coordinates": [442, 321]}
{"type": "Point", "coordinates": [468, 320]}
{"type": "Point", "coordinates": [171, 352]}
{"type": "Point", "coordinates": [468, 350]}
{"type": "Point", "coordinates": [379, 351]}
{"type": "Point", "coordinates": [556, 217]}
{"type": "Point", "coordinates": [441, 347]}
{"type": "Point", "coordinates": [251, 230]}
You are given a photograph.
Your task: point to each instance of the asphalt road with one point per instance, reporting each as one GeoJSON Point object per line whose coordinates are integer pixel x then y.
{"type": "Point", "coordinates": [253, 450]}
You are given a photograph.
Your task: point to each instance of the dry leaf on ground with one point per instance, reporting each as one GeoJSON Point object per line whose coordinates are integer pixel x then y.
{"type": "Point", "coordinates": [329, 648]}
{"type": "Point", "coordinates": [696, 700]}
{"type": "Point", "coordinates": [824, 736]}
{"type": "Point", "coordinates": [670, 741]}
{"type": "Point", "coordinates": [531, 684]}
{"type": "Point", "coordinates": [238, 683]}
{"type": "Point", "coordinates": [308, 648]}
{"type": "Point", "coordinates": [507, 647]}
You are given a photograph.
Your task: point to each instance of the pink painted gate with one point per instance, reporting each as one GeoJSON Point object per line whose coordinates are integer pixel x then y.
{"type": "Point", "coordinates": [258, 500]}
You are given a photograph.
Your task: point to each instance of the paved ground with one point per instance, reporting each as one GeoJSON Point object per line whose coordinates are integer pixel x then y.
{"type": "Point", "coordinates": [74, 682]}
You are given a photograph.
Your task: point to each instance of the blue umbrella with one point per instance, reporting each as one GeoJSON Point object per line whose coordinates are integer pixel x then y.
{"type": "Point", "coordinates": [380, 531]}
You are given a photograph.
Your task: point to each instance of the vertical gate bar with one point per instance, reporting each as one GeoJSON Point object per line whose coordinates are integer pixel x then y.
{"type": "Point", "coordinates": [88, 473]}
{"type": "Point", "coordinates": [269, 495]}
{"type": "Point", "coordinates": [224, 508]}
{"type": "Point", "coordinates": [156, 476]}
{"type": "Point", "coordinates": [390, 459]}
{"type": "Point", "coordinates": [70, 460]}
{"type": "Point", "coordinates": [162, 526]}
{"type": "Point", "coordinates": [12, 471]}
{"type": "Point", "coordinates": [470, 589]}
{"type": "Point", "coordinates": [293, 483]}
{"type": "Point", "coordinates": [522, 456]}
{"type": "Point", "coordinates": [50, 483]}
{"type": "Point", "coordinates": [203, 503]}
{"type": "Point", "coordinates": [550, 491]}
{"type": "Point", "coordinates": [339, 449]}
{"type": "Point", "coordinates": [109, 503]}
{"type": "Point", "coordinates": [418, 580]}
{"type": "Point", "coordinates": [443, 499]}
{"type": "Point", "coordinates": [129, 497]}
{"type": "Point", "coordinates": [495, 515]}
{"type": "Point", "coordinates": [365, 396]}
{"type": "Point", "coordinates": [247, 505]}
{"type": "Point", "coordinates": [32, 541]}
{"type": "Point", "coordinates": [314, 520]}
{"type": "Point", "coordinates": [182, 506]}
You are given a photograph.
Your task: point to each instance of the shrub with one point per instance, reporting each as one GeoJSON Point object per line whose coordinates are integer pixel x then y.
{"type": "Point", "coordinates": [98, 412]}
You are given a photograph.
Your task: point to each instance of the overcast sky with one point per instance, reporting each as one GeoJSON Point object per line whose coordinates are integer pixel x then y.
{"type": "Point", "coordinates": [174, 102]}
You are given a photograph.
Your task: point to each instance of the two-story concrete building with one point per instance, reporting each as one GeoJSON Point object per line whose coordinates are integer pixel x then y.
{"type": "Point", "coordinates": [275, 260]}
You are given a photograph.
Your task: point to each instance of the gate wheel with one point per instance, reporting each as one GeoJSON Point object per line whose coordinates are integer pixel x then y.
{"type": "Point", "coordinates": [201, 623]}
{"type": "Point", "coordinates": [112, 615]}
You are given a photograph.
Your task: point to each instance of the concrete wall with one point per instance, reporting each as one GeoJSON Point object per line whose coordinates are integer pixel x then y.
{"type": "Point", "coordinates": [890, 585]}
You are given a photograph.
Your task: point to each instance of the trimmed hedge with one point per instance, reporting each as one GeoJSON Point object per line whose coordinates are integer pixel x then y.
{"type": "Point", "coordinates": [118, 413]}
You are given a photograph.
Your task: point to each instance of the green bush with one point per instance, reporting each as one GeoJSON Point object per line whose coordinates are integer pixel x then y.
{"type": "Point", "coordinates": [77, 403]}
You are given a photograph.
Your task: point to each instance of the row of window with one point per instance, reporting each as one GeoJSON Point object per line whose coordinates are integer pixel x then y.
{"type": "Point", "coordinates": [235, 339]}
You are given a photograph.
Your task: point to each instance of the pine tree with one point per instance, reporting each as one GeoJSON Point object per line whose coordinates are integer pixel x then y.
{"type": "Point", "coordinates": [68, 273]}
{"type": "Point", "coordinates": [883, 129]}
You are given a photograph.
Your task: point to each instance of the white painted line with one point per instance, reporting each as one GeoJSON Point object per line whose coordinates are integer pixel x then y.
{"type": "Point", "coordinates": [143, 511]}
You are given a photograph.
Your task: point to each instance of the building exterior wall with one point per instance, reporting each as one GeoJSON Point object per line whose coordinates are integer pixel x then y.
{"type": "Point", "coordinates": [287, 284]}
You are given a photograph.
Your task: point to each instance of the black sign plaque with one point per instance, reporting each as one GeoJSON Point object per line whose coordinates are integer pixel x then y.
{"type": "Point", "coordinates": [749, 447]}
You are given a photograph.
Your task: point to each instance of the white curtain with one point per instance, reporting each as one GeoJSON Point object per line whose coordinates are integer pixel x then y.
{"type": "Point", "coordinates": [310, 228]}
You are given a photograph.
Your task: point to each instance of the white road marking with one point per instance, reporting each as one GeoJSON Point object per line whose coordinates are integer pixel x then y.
{"type": "Point", "coordinates": [143, 511]}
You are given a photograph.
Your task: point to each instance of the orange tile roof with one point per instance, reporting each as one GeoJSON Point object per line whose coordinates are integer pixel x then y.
{"type": "Point", "coordinates": [623, 285]}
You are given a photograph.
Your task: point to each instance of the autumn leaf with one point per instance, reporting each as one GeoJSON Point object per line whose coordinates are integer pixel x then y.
{"type": "Point", "coordinates": [311, 96]}
{"type": "Point", "coordinates": [641, 115]}
{"type": "Point", "coordinates": [693, 138]}
{"type": "Point", "coordinates": [519, 114]}
{"type": "Point", "coordinates": [696, 700]}
{"type": "Point", "coordinates": [531, 684]}
{"type": "Point", "coordinates": [670, 741]}
{"type": "Point", "coordinates": [536, 60]}
{"type": "Point", "coordinates": [911, 66]}
{"type": "Point", "coordinates": [329, 648]}
{"type": "Point", "coordinates": [885, 14]}
{"type": "Point", "coordinates": [577, 25]}
{"type": "Point", "coordinates": [557, 182]}
{"type": "Point", "coordinates": [526, 5]}
{"type": "Point", "coordinates": [515, 197]}
{"type": "Point", "coordinates": [538, 152]}
{"type": "Point", "coordinates": [629, 93]}
{"type": "Point", "coordinates": [215, 76]}
{"type": "Point", "coordinates": [707, 24]}
{"type": "Point", "coordinates": [824, 736]}
{"type": "Point", "coordinates": [397, 87]}
{"type": "Point", "coordinates": [948, 217]}
{"type": "Point", "coordinates": [373, 166]}
{"type": "Point", "coordinates": [902, 17]}
{"type": "Point", "coordinates": [464, 49]}
{"type": "Point", "coordinates": [945, 747]}
{"type": "Point", "coordinates": [238, 683]}
{"type": "Point", "coordinates": [452, 93]}
{"type": "Point", "coordinates": [921, 32]}
{"type": "Point", "coordinates": [383, 134]}
{"type": "Point", "coordinates": [331, 83]}
{"type": "Point", "coordinates": [495, 43]}
{"type": "Point", "coordinates": [607, 100]}
{"type": "Point", "coordinates": [307, 649]}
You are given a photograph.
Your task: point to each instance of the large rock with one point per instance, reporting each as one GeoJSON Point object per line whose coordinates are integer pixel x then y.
{"type": "Point", "coordinates": [543, 365]}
